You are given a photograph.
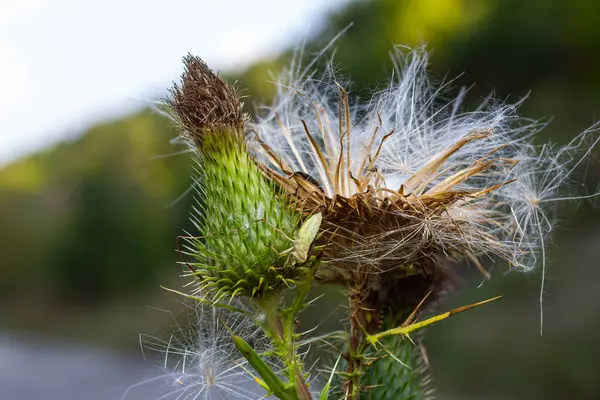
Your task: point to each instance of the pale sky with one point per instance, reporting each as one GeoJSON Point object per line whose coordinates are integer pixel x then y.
{"type": "Point", "coordinates": [65, 64]}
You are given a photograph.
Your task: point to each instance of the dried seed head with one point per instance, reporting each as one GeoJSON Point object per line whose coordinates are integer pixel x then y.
{"type": "Point", "coordinates": [204, 102]}
{"type": "Point", "coordinates": [407, 182]}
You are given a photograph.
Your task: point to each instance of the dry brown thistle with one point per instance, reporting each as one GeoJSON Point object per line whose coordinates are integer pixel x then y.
{"type": "Point", "coordinates": [407, 186]}
{"type": "Point", "coordinates": [376, 237]}
{"type": "Point", "coordinates": [203, 101]}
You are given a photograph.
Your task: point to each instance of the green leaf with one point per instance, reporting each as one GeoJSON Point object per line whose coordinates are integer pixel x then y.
{"type": "Point", "coordinates": [266, 373]}
{"type": "Point", "coordinates": [405, 330]}
{"type": "Point", "coordinates": [325, 392]}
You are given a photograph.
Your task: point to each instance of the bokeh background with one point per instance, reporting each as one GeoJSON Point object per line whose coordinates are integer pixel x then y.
{"type": "Point", "coordinates": [93, 194]}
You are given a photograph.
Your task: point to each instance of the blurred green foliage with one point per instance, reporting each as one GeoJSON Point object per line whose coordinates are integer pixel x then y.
{"type": "Point", "coordinates": [89, 219]}
{"type": "Point", "coordinates": [88, 222]}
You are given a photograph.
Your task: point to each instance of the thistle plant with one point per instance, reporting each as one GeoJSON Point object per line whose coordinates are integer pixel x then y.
{"type": "Point", "coordinates": [383, 198]}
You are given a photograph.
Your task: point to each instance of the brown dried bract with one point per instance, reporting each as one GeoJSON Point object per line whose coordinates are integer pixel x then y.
{"type": "Point", "coordinates": [203, 101]}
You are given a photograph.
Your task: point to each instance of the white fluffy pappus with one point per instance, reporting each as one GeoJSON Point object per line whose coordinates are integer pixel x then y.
{"type": "Point", "coordinates": [409, 140]}
{"type": "Point", "coordinates": [201, 362]}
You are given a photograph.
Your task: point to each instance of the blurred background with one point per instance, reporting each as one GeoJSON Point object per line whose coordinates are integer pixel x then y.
{"type": "Point", "coordinates": [93, 195]}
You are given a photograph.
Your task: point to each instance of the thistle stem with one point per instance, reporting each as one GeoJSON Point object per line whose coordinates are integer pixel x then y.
{"type": "Point", "coordinates": [282, 332]}
{"type": "Point", "coordinates": [295, 366]}
{"type": "Point", "coordinates": [354, 368]}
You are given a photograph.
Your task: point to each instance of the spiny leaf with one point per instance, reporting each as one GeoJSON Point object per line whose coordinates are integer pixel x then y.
{"type": "Point", "coordinates": [405, 330]}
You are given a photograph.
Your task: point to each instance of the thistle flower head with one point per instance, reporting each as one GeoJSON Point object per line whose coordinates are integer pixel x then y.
{"type": "Point", "coordinates": [243, 228]}
{"type": "Point", "coordinates": [408, 180]}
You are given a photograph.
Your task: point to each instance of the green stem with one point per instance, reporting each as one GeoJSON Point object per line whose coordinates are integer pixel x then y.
{"type": "Point", "coordinates": [354, 368]}
{"type": "Point", "coordinates": [281, 331]}
{"type": "Point", "coordinates": [355, 356]}
{"type": "Point", "coordinates": [294, 363]}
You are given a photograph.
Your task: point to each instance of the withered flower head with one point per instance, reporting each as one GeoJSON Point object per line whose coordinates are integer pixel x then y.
{"type": "Point", "coordinates": [407, 183]}
{"type": "Point", "coordinates": [204, 102]}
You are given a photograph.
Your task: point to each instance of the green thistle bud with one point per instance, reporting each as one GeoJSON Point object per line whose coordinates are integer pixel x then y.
{"type": "Point", "coordinates": [398, 372]}
{"type": "Point", "coordinates": [387, 379]}
{"type": "Point", "coordinates": [244, 229]}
